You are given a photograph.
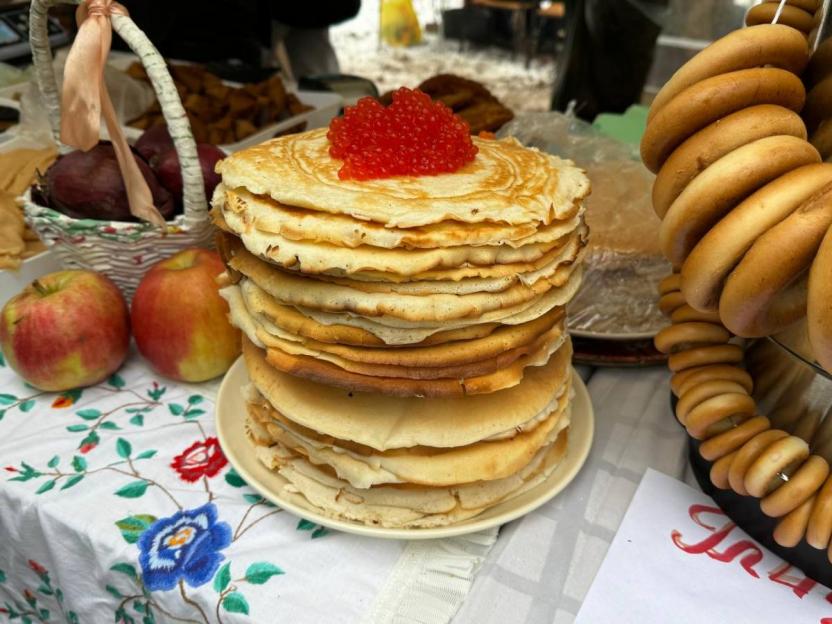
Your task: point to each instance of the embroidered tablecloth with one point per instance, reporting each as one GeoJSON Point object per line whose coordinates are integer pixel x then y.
{"type": "Point", "coordinates": [118, 505]}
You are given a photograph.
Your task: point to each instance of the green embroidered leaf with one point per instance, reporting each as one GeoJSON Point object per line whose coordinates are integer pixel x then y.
{"type": "Point", "coordinates": [176, 409]}
{"type": "Point", "coordinates": [123, 448]}
{"type": "Point", "coordinates": [222, 578]}
{"type": "Point", "coordinates": [73, 480]}
{"type": "Point", "coordinates": [7, 399]}
{"type": "Point", "coordinates": [109, 425]}
{"type": "Point", "coordinates": [72, 617]}
{"type": "Point", "coordinates": [233, 479]}
{"type": "Point", "coordinates": [46, 591]}
{"type": "Point", "coordinates": [91, 440]}
{"type": "Point", "coordinates": [132, 527]}
{"type": "Point", "coordinates": [116, 381]}
{"type": "Point", "coordinates": [2, 359]}
{"type": "Point", "coordinates": [321, 531]}
{"type": "Point", "coordinates": [195, 398]}
{"type": "Point", "coordinates": [156, 392]}
{"type": "Point", "coordinates": [260, 572]}
{"type": "Point", "coordinates": [76, 428]}
{"type": "Point", "coordinates": [27, 405]}
{"type": "Point", "coordinates": [139, 607]}
{"type": "Point", "coordinates": [53, 463]}
{"type": "Point", "coordinates": [59, 595]}
{"type": "Point", "coordinates": [89, 413]}
{"type": "Point", "coordinates": [235, 602]}
{"type": "Point", "coordinates": [125, 568]}
{"type": "Point", "coordinates": [2, 413]}
{"type": "Point", "coordinates": [305, 525]}
{"type": "Point", "coordinates": [47, 485]}
{"type": "Point", "coordinates": [2, 576]}
{"type": "Point", "coordinates": [254, 499]}
{"type": "Point", "coordinates": [119, 615]}
{"type": "Point", "coordinates": [146, 454]}
{"type": "Point", "coordinates": [113, 591]}
{"type": "Point", "coordinates": [137, 420]}
{"type": "Point", "coordinates": [149, 619]}
{"type": "Point", "coordinates": [25, 619]}
{"type": "Point", "coordinates": [44, 615]}
{"type": "Point", "coordinates": [137, 410]}
{"type": "Point", "coordinates": [134, 489]}
{"type": "Point", "coordinates": [194, 413]}
{"type": "Point", "coordinates": [79, 464]}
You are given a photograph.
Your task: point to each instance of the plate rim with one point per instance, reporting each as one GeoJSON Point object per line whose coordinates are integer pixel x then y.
{"type": "Point", "coordinates": [550, 487]}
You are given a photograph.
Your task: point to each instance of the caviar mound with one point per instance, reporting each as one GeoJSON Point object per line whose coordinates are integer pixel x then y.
{"type": "Point", "coordinates": [414, 136]}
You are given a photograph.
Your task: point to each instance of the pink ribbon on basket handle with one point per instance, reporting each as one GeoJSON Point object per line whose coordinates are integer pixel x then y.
{"type": "Point", "coordinates": [85, 99]}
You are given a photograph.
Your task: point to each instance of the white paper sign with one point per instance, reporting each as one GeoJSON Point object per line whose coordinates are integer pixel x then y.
{"type": "Point", "coordinates": [678, 558]}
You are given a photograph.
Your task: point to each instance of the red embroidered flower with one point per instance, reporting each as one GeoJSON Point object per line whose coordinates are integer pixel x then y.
{"type": "Point", "coordinates": [200, 459]}
{"type": "Point", "coordinates": [37, 567]}
{"type": "Point", "coordinates": [10, 469]}
{"type": "Point", "coordinates": [86, 448]}
{"type": "Point", "coordinates": [62, 401]}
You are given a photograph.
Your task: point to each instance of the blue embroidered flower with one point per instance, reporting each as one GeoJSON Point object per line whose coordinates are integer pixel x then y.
{"type": "Point", "coordinates": [184, 546]}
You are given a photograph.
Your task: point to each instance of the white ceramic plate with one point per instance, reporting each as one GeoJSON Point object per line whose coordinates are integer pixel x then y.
{"type": "Point", "coordinates": [230, 419]}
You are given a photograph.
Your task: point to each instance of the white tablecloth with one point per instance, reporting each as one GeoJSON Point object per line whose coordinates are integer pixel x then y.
{"type": "Point", "coordinates": [118, 506]}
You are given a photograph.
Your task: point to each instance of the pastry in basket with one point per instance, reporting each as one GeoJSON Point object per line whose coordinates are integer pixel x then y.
{"type": "Point", "coordinates": [403, 309]}
{"type": "Point", "coordinates": [219, 113]}
{"type": "Point", "coordinates": [469, 99]}
{"type": "Point", "coordinates": [18, 169]}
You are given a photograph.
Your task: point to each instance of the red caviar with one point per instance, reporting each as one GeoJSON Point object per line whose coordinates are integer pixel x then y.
{"type": "Point", "coordinates": [414, 136]}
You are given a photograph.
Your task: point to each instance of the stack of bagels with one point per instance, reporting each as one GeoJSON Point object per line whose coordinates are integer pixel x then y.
{"type": "Point", "coordinates": [405, 336]}
{"type": "Point", "coordinates": [746, 208]}
{"type": "Point", "coordinates": [802, 15]}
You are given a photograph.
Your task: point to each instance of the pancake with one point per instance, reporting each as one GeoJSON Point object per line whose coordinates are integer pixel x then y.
{"type": "Point", "coordinates": [313, 258]}
{"type": "Point", "coordinates": [474, 368]}
{"type": "Point", "coordinates": [296, 290]}
{"type": "Point", "coordinates": [384, 422]}
{"type": "Point", "coordinates": [503, 339]}
{"type": "Point", "coordinates": [298, 224]}
{"type": "Point", "coordinates": [505, 183]}
{"type": "Point", "coordinates": [481, 461]}
{"type": "Point", "coordinates": [402, 506]}
{"type": "Point", "coordinates": [292, 321]}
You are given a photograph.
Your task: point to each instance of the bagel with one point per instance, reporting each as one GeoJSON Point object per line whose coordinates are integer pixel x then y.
{"type": "Point", "coordinates": [809, 6]}
{"type": "Point", "coordinates": [715, 141]}
{"type": "Point", "coordinates": [767, 44]}
{"type": "Point", "coordinates": [820, 64]}
{"type": "Point", "coordinates": [713, 98]}
{"type": "Point", "coordinates": [792, 16]}
{"type": "Point", "coordinates": [733, 439]}
{"type": "Point", "coordinates": [719, 471]}
{"type": "Point", "coordinates": [819, 303]}
{"type": "Point", "coordinates": [724, 245]}
{"type": "Point", "coordinates": [762, 297]}
{"type": "Point", "coordinates": [717, 408]}
{"type": "Point", "coordinates": [819, 531]}
{"type": "Point", "coordinates": [821, 139]}
{"type": "Point", "coordinates": [702, 356]}
{"type": "Point", "coordinates": [748, 454]}
{"type": "Point", "coordinates": [800, 487]}
{"type": "Point", "coordinates": [702, 392]}
{"type": "Point", "coordinates": [723, 185]}
{"type": "Point", "coordinates": [683, 381]}
{"type": "Point", "coordinates": [671, 283]}
{"type": "Point", "coordinates": [818, 104]}
{"type": "Point", "coordinates": [764, 474]}
{"type": "Point", "coordinates": [686, 313]}
{"type": "Point", "coordinates": [791, 529]}
{"type": "Point", "coordinates": [684, 335]}
{"type": "Point", "coordinates": [670, 302]}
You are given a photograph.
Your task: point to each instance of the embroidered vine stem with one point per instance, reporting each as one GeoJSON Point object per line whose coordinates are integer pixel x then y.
{"type": "Point", "coordinates": [192, 602]}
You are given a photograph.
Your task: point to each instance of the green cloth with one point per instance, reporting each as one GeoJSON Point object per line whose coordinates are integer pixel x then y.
{"type": "Point", "coordinates": [627, 127]}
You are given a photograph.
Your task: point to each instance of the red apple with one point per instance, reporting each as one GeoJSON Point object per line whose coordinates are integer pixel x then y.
{"type": "Point", "coordinates": [65, 330]}
{"type": "Point", "coordinates": [180, 321]}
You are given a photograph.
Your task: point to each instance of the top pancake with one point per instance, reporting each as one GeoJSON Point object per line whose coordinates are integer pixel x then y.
{"type": "Point", "coordinates": [505, 183]}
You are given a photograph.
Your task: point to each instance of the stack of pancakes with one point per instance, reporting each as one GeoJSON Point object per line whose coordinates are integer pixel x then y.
{"type": "Point", "coordinates": [405, 336]}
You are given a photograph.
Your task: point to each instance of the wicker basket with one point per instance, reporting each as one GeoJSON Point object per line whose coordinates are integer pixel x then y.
{"type": "Point", "coordinates": [121, 250]}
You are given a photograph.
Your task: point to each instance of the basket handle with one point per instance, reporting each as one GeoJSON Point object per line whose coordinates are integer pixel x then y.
{"type": "Point", "coordinates": [193, 188]}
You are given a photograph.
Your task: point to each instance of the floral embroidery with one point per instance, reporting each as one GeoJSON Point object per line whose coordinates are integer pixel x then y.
{"type": "Point", "coordinates": [184, 546]}
{"type": "Point", "coordinates": [203, 458]}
